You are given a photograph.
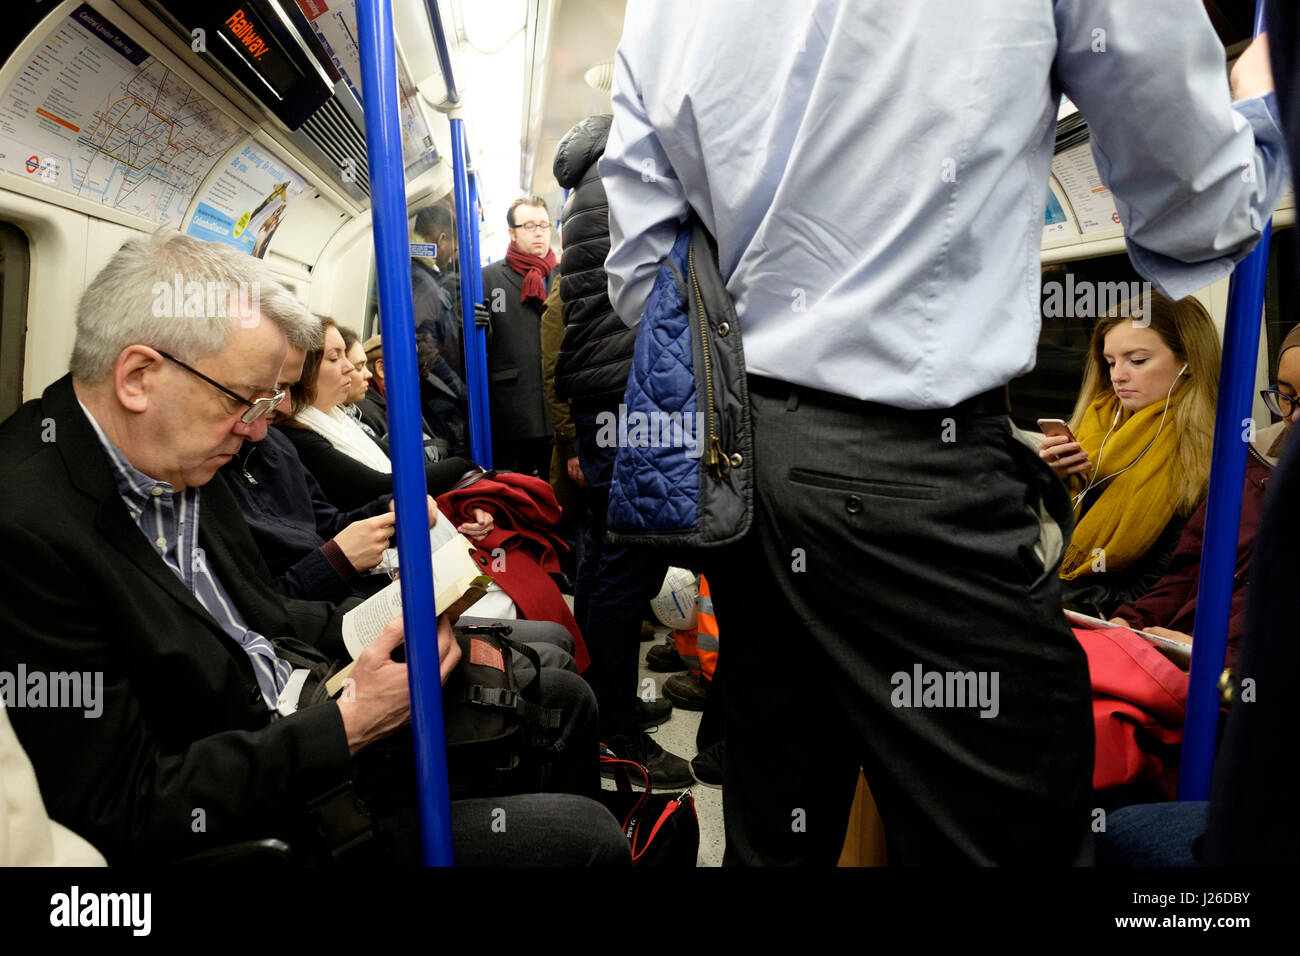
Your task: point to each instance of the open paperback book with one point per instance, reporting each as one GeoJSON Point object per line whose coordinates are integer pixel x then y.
{"type": "Point", "coordinates": [1177, 651]}
{"type": "Point", "coordinates": [459, 583]}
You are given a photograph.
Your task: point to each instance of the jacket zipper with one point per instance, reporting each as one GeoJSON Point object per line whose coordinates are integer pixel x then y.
{"type": "Point", "coordinates": [713, 455]}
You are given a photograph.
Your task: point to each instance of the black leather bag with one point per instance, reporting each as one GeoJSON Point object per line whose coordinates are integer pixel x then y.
{"type": "Point", "coordinates": [662, 830]}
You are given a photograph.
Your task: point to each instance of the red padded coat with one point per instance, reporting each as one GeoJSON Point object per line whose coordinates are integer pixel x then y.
{"type": "Point", "coordinates": [524, 513]}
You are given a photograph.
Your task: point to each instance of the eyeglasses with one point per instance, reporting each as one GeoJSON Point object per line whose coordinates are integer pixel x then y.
{"type": "Point", "coordinates": [533, 226]}
{"type": "Point", "coordinates": [1279, 402]}
{"type": "Point", "coordinates": [257, 408]}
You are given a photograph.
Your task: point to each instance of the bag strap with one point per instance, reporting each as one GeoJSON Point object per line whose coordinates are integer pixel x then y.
{"type": "Point", "coordinates": [506, 699]}
{"type": "Point", "coordinates": [624, 782]}
{"type": "Point", "coordinates": [319, 668]}
{"type": "Point", "coordinates": [343, 823]}
{"type": "Point", "coordinates": [526, 701]}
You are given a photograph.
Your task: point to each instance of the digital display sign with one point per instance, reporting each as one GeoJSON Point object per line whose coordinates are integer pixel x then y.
{"type": "Point", "coordinates": [244, 30]}
{"type": "Point", "coordinates": [268, 46]}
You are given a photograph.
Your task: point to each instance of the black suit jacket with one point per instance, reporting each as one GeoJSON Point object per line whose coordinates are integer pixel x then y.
{"type": "Point", "coordinates": [184, 755]}
{"type": "Point", "coordinates": [516, 395]}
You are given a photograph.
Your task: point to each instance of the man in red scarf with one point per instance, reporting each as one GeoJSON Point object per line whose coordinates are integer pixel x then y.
{"type": "Point", "coordinates": [514, 291]}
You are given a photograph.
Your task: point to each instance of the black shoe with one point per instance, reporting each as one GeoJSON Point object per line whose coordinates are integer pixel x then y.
{"type": "Point", "coordinates": [667, 771]}
{"type": "Point", "coordinates": [650, 713]}
{"type": "Point", "coordinates": [687, 691]}
{"type": "Point", "coordinates": [648, 631]}
{"type": "Point", "coordinates": [708, 765]}
{"type": "Point", "coordinates": [664, 658]}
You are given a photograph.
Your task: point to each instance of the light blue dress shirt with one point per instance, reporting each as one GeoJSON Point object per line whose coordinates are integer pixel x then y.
{"type": "Point", "coordinates": [876, 173]}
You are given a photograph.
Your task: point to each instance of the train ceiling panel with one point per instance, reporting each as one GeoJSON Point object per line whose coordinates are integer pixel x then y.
{"type": "Point", "coordinates": [583, 35]}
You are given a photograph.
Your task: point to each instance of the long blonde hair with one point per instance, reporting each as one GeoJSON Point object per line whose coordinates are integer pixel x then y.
{"type": "Point", "coordinates": [1186, 328]}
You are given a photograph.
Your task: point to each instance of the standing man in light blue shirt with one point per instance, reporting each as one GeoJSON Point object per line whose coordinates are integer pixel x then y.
{"type": "Point", "coordinates": [875, 176]}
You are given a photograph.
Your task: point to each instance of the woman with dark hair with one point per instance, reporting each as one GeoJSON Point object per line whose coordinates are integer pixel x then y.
{"type": "Point", "coordinates": [1140, 462]}
{"type": "Point", "coordinates": [351, 467]}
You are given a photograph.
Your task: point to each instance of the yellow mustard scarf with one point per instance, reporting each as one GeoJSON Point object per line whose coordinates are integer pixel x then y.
{"type": "Point", "coordinates": [1134, 507]}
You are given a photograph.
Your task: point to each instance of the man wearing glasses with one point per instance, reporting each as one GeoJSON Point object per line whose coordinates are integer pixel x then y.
{"type": "Point", "coordinates": [514, 292]}
{"type": "Point", "coordinates": [132, 563]}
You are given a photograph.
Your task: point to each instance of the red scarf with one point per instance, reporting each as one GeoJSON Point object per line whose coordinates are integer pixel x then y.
{"type": "Point", "coordinates": [534, 269]}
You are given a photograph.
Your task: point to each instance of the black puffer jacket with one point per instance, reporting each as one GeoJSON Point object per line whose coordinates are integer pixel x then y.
{"type": "Point", "coordinates": [596, 354]}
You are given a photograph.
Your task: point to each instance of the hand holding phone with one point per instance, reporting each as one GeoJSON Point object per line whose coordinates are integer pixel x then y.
{"type": "Point", "coordinates": [1061, 450]}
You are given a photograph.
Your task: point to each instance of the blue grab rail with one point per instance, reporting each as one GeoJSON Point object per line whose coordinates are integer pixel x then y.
{"type": "Point", "coordinates": [480, 354]}
{"type": "Point", "coordinates": [465, 191]}
{"type": "Point", "coordinates": [1232, 431]}
{"type": "Point", "coordinates": [393, 265]}
{"type": "Point", "coordinates": [470, 280]}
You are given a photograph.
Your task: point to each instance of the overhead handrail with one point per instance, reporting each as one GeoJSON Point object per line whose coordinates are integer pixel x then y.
{"type": "Point", "coordinates": [444, 53]}
{"type": "Point", "coordinates": [396, 316]}
{"type": "Point", "coordinates": [1233, 429]}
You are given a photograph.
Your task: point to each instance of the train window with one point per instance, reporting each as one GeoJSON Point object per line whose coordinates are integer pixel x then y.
{"type": "Point", "coordinates": [1281, 305]}
{"type": "Point", "coordinates": [371, 324]}
{"type": "Point", "coordinates": [15, 260]}
{"type": "Point", "coordinates": [1073, 295]}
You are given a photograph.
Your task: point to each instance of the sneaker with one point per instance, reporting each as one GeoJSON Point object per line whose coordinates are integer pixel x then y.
{"type": "Point", "coordinates": [708, 766]}
{"type": "Point", "coordinates": [687, 691]}
{"type": "Point", "coordinates": [648, 631]}
{"type": "Point", "coordinates": [652, 712]}
{"type": "Point", "coordinates": [667, 771]}
{"type": "Point", "coordinates": [664, 658]}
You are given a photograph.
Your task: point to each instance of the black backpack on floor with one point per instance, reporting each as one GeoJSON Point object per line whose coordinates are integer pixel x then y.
{"type": "Point", "coordinates": [662, 830]}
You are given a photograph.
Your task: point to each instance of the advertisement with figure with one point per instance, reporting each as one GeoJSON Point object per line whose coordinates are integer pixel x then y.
{"type": "Point", "coordinates": [245, 203]}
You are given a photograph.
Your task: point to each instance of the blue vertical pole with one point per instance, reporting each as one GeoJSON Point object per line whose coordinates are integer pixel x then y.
{"type": "Point", "coordinates": [480, 357]}
{"type": "Point", "coordinates": [467, 252]}
{"type": "Point", "coordinates": [1232, 429]}
{"type": "Point", "coordinates": [393, 264]}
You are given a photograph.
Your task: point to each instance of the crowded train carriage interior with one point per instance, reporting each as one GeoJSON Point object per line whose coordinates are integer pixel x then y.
{"type": "Point", "coordinates": [426, 261]}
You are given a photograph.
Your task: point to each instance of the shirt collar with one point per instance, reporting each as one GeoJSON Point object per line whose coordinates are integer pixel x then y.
{"type": "Point", "coordinates": [132, 484]}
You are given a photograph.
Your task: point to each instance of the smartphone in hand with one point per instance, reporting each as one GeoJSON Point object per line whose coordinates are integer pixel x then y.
{"type": "Point", "coordinates": [1051, 427]}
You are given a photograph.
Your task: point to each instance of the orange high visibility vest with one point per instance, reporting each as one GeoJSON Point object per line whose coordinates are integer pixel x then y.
{"type": "Point", "coordinates": [698, 646]}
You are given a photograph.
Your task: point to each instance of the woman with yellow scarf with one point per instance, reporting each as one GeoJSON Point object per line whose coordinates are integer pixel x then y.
{"type": "Point", "coordinates": [1144, 424]}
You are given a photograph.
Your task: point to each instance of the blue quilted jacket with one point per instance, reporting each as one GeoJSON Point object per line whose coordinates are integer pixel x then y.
{"type": "Point", "coordinates": [683, 469]}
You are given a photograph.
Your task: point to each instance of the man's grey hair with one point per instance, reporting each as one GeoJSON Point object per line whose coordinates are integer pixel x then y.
{"type": "Point", "coordinates": [183, 296]}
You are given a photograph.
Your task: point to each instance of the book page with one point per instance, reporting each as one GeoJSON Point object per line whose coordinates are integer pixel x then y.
{"type": "Point", "coordinates": [457, 578]}
{"type": "Point", "coordinates": [362, 624]}
{"type": "Point", "coordinates": [1177, 651]}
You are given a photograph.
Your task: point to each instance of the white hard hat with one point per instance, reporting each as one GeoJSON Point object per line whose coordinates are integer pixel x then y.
{"type": "Point", "coordinates": [675, 605]}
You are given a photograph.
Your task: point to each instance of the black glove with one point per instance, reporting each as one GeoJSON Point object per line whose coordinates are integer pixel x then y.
{"type": "Point", "coordinates": [481, 317]}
